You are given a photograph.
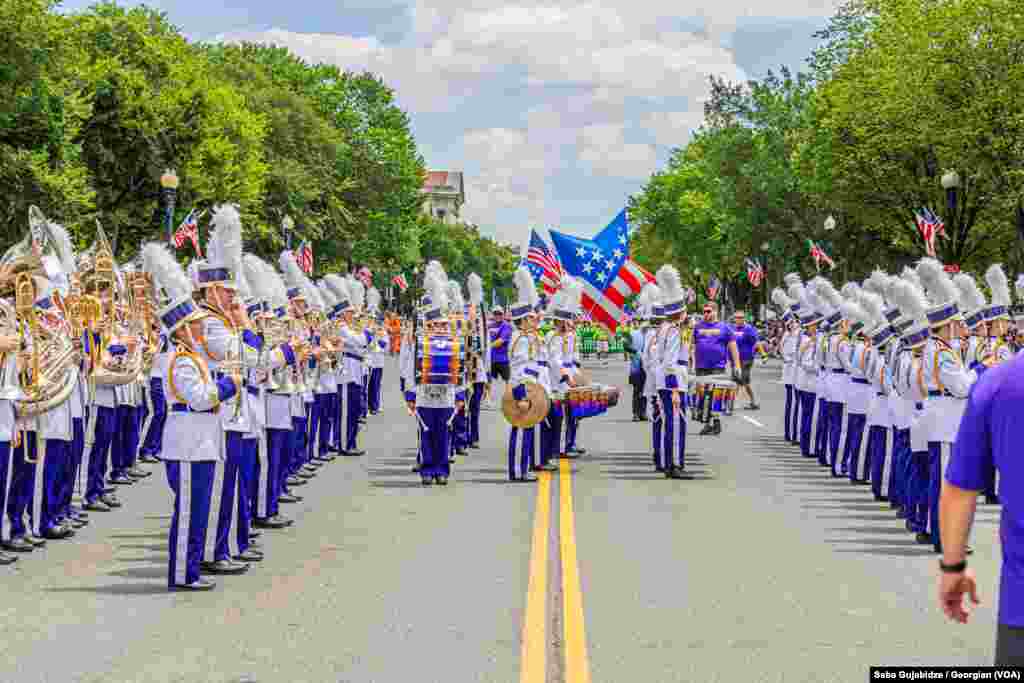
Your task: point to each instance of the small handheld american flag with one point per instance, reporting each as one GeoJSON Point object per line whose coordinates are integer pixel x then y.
{"type": "Point", "coordinates": [365, 276]}
{"type": "Point", "coordinates": [189, 230]}
{"type": "Point", "coordinates": [305, 258]}
{"type": "Point", "coordinates": [930, 226]}
{"type": "Point", "coordinates": [755, 273]}
{"type": "Point", "coordinates": [400, 282]}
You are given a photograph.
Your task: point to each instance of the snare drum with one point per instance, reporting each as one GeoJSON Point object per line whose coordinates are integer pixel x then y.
{"type": "Point", "coordinates": [440, 360]}
{"type": "Point", "coordinates": [712, 396]}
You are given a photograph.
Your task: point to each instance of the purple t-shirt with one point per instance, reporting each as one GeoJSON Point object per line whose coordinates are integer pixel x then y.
{"type": "Point", "coordinates": [711, 345]}
{"type": "Point", "coordinates": [989, 436]}
{"type": "Point", "coordinates": [746, 339]}
{"type": "Point", "coordinates": [503, 332]}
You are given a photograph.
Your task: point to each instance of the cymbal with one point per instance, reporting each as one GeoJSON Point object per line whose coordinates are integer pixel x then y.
{"type": "Point", "coordinates": [537, 410]}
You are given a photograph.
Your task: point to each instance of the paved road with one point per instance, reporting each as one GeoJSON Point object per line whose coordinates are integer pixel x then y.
{"type": "Point", "coordinates": [761, 568]}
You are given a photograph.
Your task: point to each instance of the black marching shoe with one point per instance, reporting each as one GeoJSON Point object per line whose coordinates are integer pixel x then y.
{"type": "Point", "coordinates": [427, 481]}
{"type": "Point", "coordinates": [289, 498]}
{"type": "Point", "coordinates": [110, 500]}
{"type": "Point", "coordinates": [443, 481]}
{"type": "Point", "coordinates": [353, 453]}
{"type": "Point", "coordinates": [923, 538]}
{"type": "Point", "coordinates": [415, 468]}
{"type": "Point", "coordinates": [96, 506]}
{"type": "Point", "coordinates": [283, 520]}
{"type": "Point", "coordinates": [460, 451]}
{"type": "Point", "coordinates": [475, 446]}
{"type": "Point", "coordinates": [269, 523]}
{"type": "Point", "coordinates": [6, 559]}
{"type": "Point", "coordinates": [229, 567]}
{"type": "Point", "coordinates": [992, 500]}
{"type": "Point", "coordinates": [249, 555]}
{"type": "Point", "coordinates": [138, 473]}
{"type": "Point", "coordinates": [578, 451]}
{"type": "Point", "coordinates": [17, 545]}
{"type": "Point", "coordinates": [58, 533]}
{"type": "Point", "coordinates": [200, 585]}
{"type": "Point", "coordinates": [707, 431]}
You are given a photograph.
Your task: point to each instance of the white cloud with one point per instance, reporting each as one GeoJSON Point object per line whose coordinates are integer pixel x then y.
{"type": "Point", "coordinates": [597, 83]}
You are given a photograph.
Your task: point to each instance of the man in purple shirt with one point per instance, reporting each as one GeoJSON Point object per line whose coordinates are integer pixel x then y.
{"type": "Point", "coordinates": [747, 343]}
{"type": "Point", "coordinates": [501, 336]}
{"type": "Point", "coordinates": [713, 347]}
{"type": "Point", "coordinates": [988, 437]}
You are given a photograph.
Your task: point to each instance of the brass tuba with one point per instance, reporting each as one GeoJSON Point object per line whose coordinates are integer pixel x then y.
{"type": "Point", "coordinates": [103, 283]}
{"type": "Point", "coordinates": [52, 371]}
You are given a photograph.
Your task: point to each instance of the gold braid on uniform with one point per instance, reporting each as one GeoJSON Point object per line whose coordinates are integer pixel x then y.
{"type": "Point", "coordinates": [201, 338]}
{"type": "Point", "coordinates": [204, 372]}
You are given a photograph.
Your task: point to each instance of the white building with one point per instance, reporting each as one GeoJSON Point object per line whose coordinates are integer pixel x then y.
{"type": "Point", "coordinates": [444, 195]}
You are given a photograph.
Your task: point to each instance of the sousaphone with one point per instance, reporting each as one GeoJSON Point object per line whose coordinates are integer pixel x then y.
{"type": "Point", "coordinates": [537, 410]}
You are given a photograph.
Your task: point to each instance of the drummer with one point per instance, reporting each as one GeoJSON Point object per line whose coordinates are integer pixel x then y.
{"type": "Point", "coordinates": [524, 357]}
{"type": "Point", "coordinates": [713, 346]}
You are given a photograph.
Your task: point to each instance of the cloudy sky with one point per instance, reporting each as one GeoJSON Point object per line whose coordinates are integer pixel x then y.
{"type": "Point", "coordinates": [555, 110]}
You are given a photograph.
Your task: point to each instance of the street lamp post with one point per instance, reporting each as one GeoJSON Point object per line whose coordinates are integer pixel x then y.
{"type": "Point", "coordinates": [169, 183]}
{"type": "Point", "coordinates": [765, 246]}
{"type": "Point", "coordinates": [950, 182]}
{"type": "Point", "coordinates": [286, 225]}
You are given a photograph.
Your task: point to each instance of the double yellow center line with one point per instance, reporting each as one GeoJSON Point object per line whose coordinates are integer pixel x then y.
{"type": "Point", "coordinates": [533, 664]}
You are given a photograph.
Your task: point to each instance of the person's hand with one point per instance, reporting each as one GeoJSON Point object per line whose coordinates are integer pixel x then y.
{"type": "Point", "coordinates": [131, 343]}
{"type": "Point", "coordinates": [411, 407]}
{"type": "Point", "coordinates": [952, 590]}
{"type": "Point", "coordinates": [260, 376]}
{"type": "Point", "coordinates": [459, 405]}
{"type": "Point", "coordinates": [9, 342]}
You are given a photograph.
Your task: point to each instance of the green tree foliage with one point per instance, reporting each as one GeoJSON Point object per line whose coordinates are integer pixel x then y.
{"type": "Point", "coordinates": [95, 105]}
{"type": "Point", "coordinates": [898, 93]}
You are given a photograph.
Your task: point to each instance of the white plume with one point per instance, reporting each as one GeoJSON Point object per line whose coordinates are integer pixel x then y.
{"type": "Point", "coordinates": [242, 283]}
{"type": "Point", "coordinates": [828, 294]}
{"type": "Point", "coordinates": [292, 273]}
{"type": "Point", "coordinates": [850, 290]}
{"type": "Point", "coordinates": [525, 289]}
{"type": "Point", "coordinates": [357, 293]}
{"type": "Point", "coordinates": [873, 305]}
{"type": "Point", "coordinates": [937, 282]}
{"type": "Point", "coordinates": [792, 279]}
{"type": "Point", "coordinates": [798, 293]}
{"type": "Point", "coordinates": [312, 294]}
{"type": "Point", "coordinates": [455, 300]}
{"type": "Point", "coordinates": [816, 302]}
{"type": "Point", "coordinates": [909, 299]}
{"type": "Point", "coordinates": [328, 296]}
{"type": "Point", "coordinates": [971, 297]}
{"type": "Point", "coordinates": [168, 275]}
{"type": "Point", "coordinates": [670, 284]}
{"type": "Point", "coordinates": [62, 245]}
{"type": "Point", "coordinates": [436, 285]}
{"type": "Point", "coordinates": [879, 283]}
{"type": "Point", "coordinates": [373, 298]}
{"type": "Point", "coordinates": [252, 266]}
{"type": "Point", "coordinates": [339, 286]}
{"type": "Point", "coordinates": [853, 312]}
{"type": "Point", "coordinates": [225, 245]}
{"type": "Point", "coordinates": [911, 276]}
{"type": "Point", "coordinates": [475, 285]}
{"type": "Point", "coordinates": [1000, 286]}
{"type": "Point", "coordinates": [780, 299]}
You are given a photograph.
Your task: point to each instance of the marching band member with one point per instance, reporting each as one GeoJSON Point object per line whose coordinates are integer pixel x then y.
{"type": "Point", "coordinates": [572, 421]}
{"type": "Point", "coordinates": [859, 392]}
{"type": "Point", "coordinates": [947, 380]}
{"type": "Point", "coordinates": [806, 366]}
{"type": "Point", "coordinates": [524, 353]}
{"type": "Point", "coordinates": [378, 351]}
{"type": "Point", "coordinates": [295, 470]}
{"type": "Point", "coordinates": [480, 356]}
{"type": "Point", "coordinates": [997, 317]}
{"type": "Point", "coordinates": [976, 348]}
{"type": "Point", "coordinates": [10, 344]}
{"type": "Point", "coordinates": [329, 366]}
{"type": "Point", "coordinates": [355, 345]}
{"type": "Point", "coordinates": [322, 383]}
{"type": "Point", "coordinates": [909, 296]}
{"type": "Point", "coordinates": [156, 405]}
{"type": "Point", "coordinates": [880, 335]}
{"type": "Point", "coordinates": [674, 362]}
{"type": "Point", "coordinates": [713, 346]}
{"type": "Point", "coordinates": [460, 423]}
{"type": "Point", "coordinates": [193, 443]}
{"type": "Point", "coordinates": [788, 349]}
{"type": "Point", "coordinates": [653, 370]}
{"type": "Point", "coordinates": [564, 306]}
{"type": "Point", "coordinates": [432, 396]}
{"type": "Point", "coordinates": [221, 341]}
{"type": "Point", "coordinates": [278, 437]}
{"type": "Point", "coordinates": [835, 348]}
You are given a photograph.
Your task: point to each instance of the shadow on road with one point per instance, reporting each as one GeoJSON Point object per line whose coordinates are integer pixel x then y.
{"type": "Point", "coordinates": [149, 588]}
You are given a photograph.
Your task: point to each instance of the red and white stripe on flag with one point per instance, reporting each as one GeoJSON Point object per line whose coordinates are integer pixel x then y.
{"type": "Point", "coordinates": [608, 307]}
{"type": "Point", "coordinates": [400, 282]}
{"type": "Point", "coordinates": [188, 230]}
{"type": "Point", "coordinates": [305, 258]}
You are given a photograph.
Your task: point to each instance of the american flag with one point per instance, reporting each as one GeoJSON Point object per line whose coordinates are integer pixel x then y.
{"type": "Point", "coordinates": [713, 286]}
{"type": "Point", "coordinates": [755, 273]}
{"type": "Point", "coordinates": [189, 230]}
{"type": "Point", "coordinates": [930, 226]}
{"type": "Point", "coordinates": [543, 264]}
{"type": "Point", "coordinates": [305, 258]}
{"type": "Point", "coordinates": [400, 282]}
{"type": "Point", "coordinates": [603, 264]}
{"type": "Point", "coordinates": [819, 255]}
{"type": "Point", "coordinates": [365, 276]}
